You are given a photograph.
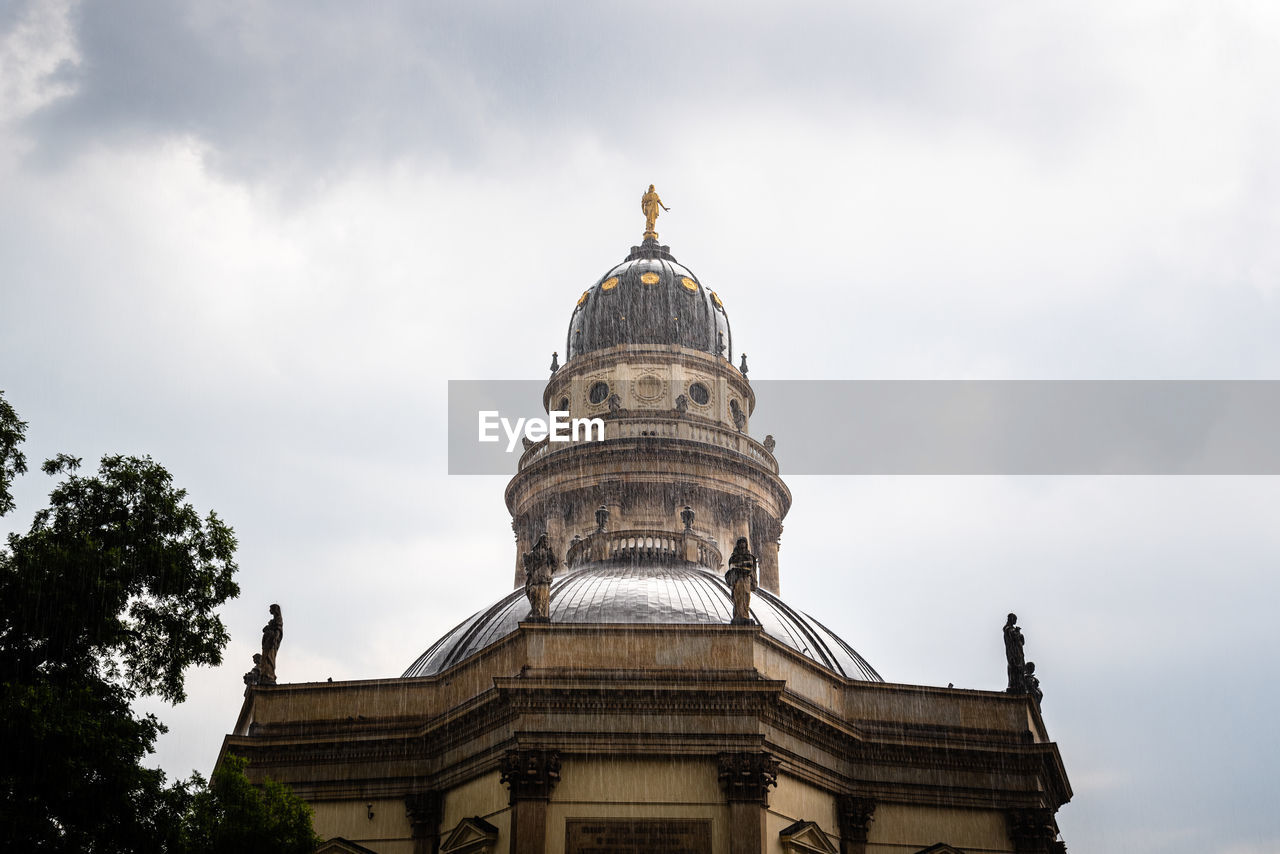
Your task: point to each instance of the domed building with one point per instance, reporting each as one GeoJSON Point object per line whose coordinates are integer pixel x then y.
{"type": "Point", "coordinates": [645, 688]}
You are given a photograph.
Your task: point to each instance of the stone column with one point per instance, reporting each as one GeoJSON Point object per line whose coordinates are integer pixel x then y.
{"type": "Point", "coordinates": [765, 533]}
{"type": "Point", "coordinates": [767, 551]}
{"type": "Point", "coordinates": [519, 526]}
{"type": "Point", "coordinates": [746, 779]}
{"type": "Point", "coordinates": [1034, 831]}
{"type": "Point", "coordinates": [531, 775]}
{"type": "Point", "coordinates": [425, 809]}
{"type": "Point", "coordinates": [855, 816]}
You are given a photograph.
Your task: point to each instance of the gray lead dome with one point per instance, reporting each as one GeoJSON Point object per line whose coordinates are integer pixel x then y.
{"type": "Point", "coordinates": [612, 594]}
{"type": "Point", "coordinates": [649, 298]}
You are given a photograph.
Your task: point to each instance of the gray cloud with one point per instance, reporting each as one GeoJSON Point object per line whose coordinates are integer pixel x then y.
{"type": "Point", "coordinates": [257, 240]}
{"type": "Point", "coordinates": [299, 91]}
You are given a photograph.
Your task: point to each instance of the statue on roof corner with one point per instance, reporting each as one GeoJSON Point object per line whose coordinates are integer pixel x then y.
{"type": "Point", "coordinates": [650, 203]}
{"type": "Point", "coordinates": [1022, 673]}
{"type": "Point", "coordinates": [741, 578]}
{"type": "Point", "coordinates": [272, 634]}
{"type": "Point", "coordinates": [539, 565]}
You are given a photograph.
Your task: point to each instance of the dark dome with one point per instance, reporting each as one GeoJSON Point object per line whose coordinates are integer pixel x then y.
{"type": "Point", "coordinates": [610, 593]}
{"type": "Point", "coordinates": [649, 299]}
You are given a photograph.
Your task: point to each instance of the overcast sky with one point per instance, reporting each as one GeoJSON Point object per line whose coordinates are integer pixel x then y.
{"type": "Point", "coordinates": [256, 240]}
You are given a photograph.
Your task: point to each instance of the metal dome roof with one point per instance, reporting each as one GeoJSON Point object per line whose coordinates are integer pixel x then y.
{"type": "Point", "coordinates": [610, 593]}
{"type": "Point", "coordinates": [649, 298]}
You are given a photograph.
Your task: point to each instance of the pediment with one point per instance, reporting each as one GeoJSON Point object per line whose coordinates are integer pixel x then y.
{"type": "Point", "coordinates": [940, 848]}
{"type": "Point", "coordinates": [338, 845]}
{"type": "Point", "coordinates": [472, 836]}
{"type": "Point", "coordinates": [805, 836]}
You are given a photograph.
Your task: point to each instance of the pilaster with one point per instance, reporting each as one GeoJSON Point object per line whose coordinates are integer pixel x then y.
{"type": "Point", "coordinates": [425, 809]}
{"type": "Point", "coordinates": [746, 779]}
{"type": "Point", "coordinates": [530, 775]}
{"type": "Point", "coordinates": [1034, 831]}
{"type": "Point", "coordinates": [855, 815]}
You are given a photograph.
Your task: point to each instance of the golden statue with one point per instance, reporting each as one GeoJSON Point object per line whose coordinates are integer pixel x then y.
{"type": "Point", "coordinates": [649, 203]}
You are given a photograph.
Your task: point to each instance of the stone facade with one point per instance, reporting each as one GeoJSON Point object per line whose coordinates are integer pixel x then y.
{"type": "Point", "coordinates": [690, 731]}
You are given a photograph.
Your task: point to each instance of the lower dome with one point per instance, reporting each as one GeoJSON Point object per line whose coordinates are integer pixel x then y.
{"type": "Point", "coordinates": [652, 595]}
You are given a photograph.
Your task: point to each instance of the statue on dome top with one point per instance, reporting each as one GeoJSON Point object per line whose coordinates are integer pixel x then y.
{"type": "Point", "coordinates": [649, 204]}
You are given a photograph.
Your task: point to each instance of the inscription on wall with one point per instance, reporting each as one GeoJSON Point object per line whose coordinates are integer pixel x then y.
{"type": "Point", "coordinates": [637, 836]}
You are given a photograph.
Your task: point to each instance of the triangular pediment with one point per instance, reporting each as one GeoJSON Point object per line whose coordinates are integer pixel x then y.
{"type": "Point", "coordinates": [940, 848]}
{"type": "Point", "coordinates": [472, 836]}
{"type": "Point", "coordinates": [805, 836]}
{"type": "Point", "coordinates": [338, 845]}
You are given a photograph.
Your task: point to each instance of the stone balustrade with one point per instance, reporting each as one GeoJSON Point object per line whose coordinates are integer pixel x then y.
{"type": "Point", "coordinates": [649, 546]}
{"type": "Point", "coordinates": [665, 428]}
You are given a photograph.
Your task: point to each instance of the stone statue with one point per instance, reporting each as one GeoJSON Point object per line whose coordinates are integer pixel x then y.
{"type": "Point", "coordinates": [254, 676]}
{"type": "Point", "coordinates": [555, 362]}
{"type": "Point", "coordinates": [1022, 678]}
{"type": "Point", "coordinates": [615, 404]}
{"type": "Point", "coordinates": [602, 519]}
{"type": "Point", "coordinates": [1013, 642]}
{"type": "Point", "coordinates": [682, 404]}
{"type": "Point", "coordinates": [1031, 685]}
{"type": "Point", "coordinates": [649, 203]}
{"type": "Point", "coordinates": [742, 369]}
{"type": "Point", "coordinates": [686, 516]}
{"type": "Point", "coordinates": [741, 578]}
{"type": "Point", "coordinates": [770, 443]}
{"type": "Point", "coordinates": [272, 634]}
{"type": "Point", "coordinates": [539, 565]}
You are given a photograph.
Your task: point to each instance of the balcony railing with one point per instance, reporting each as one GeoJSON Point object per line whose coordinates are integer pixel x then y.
{"type": "Point", "coordinates": [665, 428]}
{"type": "Point", "coordinates": [642, 545]}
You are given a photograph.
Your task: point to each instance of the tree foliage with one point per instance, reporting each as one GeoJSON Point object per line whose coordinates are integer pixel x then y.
{"type": "Point", "coordinates": [230, 815]}
{"type": "Point", "coordinates": [12, 461]}
{"type": "Point", "coordinates": [118, 579]}
{"type": "Point", "coordinates": [111, 595]}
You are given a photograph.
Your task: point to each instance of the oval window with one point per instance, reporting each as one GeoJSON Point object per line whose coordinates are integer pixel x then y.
{"type": "Point", "coordinates": [598, 393]}
{"type": "Point", "coordinates": [699, 394]}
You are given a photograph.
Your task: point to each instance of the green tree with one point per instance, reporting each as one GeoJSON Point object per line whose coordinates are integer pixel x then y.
{"type": "Point", "coordinates": [12, 461]}
{"type": "Point", "coordinates": [110, 595]}
{"type": "Point", "coordinates": [230, 815]}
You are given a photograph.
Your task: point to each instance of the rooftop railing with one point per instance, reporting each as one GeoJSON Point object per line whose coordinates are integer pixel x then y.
{"type": "Point", "coordinates": [640, 545]}
{"type": "Point", "coordinates": [665, 428]}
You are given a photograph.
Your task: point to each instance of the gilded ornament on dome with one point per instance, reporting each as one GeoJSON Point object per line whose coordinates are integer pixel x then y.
{"type": "Point", "coordinates": [649, 205]}
{"type": "Point", "coordinates": [689, 284]}
{"type": "Point", "coordinates": [715, 299]}
{"type": "Point", "coordinates": [609, 283]}
{"type": "Point", "coordinates": [650, 278]}
{"type": "Point", "coordinates": [583, 298]}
